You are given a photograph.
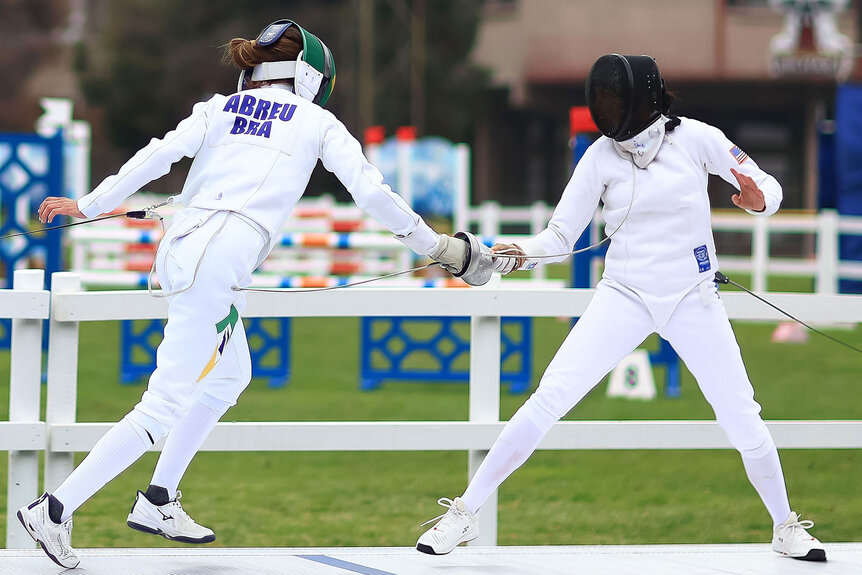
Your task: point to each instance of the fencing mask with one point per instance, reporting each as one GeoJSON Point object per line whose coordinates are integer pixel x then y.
{"type": "Point", "coordinates": [313, 72]}
{"type": "Point", "coordinates": [625, 94]}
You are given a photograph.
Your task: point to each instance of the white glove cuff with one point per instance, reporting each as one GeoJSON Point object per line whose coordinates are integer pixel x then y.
{"type": "Point", "coordinates": [421, 240]}
{"type": "Point", "coordinates": [533, 247]}
{"type": "Point", "coordinates": [91, 210]}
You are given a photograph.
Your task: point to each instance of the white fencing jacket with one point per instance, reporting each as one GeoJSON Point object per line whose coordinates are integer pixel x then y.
{"type": "Point", "coordinates": [254, 152]}
{"type": "Point", "coordinates": [664, 247]}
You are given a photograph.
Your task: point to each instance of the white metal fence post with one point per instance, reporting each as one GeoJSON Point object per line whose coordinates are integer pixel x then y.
{"type": "Point", "coordinates": [489, 219]}
{"type": "Point", "coordinates": [461, 207]}
{"type": "Point", "coordinates": [826, 281]}
{"type": "Point", "coordinates": [25, 381]}
{"type": "Point", "coordinates": [61, 401]}
{"type": "Point", "coordinates": [485, 403]}
{"type": "Point", "coordinates": [760, 253]}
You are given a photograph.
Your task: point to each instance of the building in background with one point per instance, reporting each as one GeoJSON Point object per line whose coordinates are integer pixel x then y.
{"type": "Point", "coordinates": [764, 71]}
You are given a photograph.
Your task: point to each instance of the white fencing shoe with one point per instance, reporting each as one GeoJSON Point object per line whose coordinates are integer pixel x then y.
{"type": "Point", "coordinates": [169, 520]}
{"type": "Point", "coordinates": [791, 539]}
{"type": "Point", "coordinates": [55, 538]}
{"type": "Point", "coordinates": [456, 526]}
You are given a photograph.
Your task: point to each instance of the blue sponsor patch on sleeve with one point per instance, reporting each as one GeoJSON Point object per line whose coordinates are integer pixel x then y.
{"type": "Point", "coordinates": [701, 254]}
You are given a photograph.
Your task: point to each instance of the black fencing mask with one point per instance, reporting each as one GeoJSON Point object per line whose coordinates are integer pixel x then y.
{"type": "Point", "coordinates": [625, 94]}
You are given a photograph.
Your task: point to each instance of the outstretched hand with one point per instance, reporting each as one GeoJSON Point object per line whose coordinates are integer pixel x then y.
{"type": "Point", "coordinates": [54, 206]}
{"type": "Point", "coordinates": [749, 197]}
{"type": "Point", "coordinates": [507, 265]}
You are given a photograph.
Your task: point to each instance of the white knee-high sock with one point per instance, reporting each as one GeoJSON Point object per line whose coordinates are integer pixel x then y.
{"type": "Point", "coordinates": [763, 468]}
{"type": "Point", "coordinates": [121, 446]}
{"type": "Point", "coordinates": [183, 442]}
{"type": "Point", "coordinates": [516, 443]}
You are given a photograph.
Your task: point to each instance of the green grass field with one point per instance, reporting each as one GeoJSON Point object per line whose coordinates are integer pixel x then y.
{"type": "Point", "coordinates": [569, 497]}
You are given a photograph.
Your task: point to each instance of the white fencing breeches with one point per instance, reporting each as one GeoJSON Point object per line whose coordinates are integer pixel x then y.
{"type": "Point", "coordinates": [615, 323]}
{"type": "Point", "coordinates": [203, 256]}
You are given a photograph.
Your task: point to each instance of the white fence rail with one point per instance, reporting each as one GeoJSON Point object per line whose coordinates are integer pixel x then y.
{"type": "Point", "coordinates": [484, 306]}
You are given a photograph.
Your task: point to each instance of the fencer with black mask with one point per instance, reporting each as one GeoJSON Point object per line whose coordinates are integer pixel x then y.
{"type": "Point", "coordinates": [649, 172]}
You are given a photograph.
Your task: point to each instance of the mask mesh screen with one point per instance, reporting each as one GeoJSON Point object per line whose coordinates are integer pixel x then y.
{"type": "Point", "coordinates": [609, 95]}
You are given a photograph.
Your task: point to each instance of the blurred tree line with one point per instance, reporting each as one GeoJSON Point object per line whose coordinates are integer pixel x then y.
{"type": "Point", "coordinates": [29, 34]}
{"type": "Point", "coordinates": [135, 68]}
{"type": "Point", "coordinates": [144, 63]}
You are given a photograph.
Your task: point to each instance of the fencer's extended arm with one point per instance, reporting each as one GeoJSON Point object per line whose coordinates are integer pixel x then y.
{"type": "Point", "coordinates": [573, 213]}
{"type": "Point", "coordinates": [151, 162]}
{"type": "Point", "coordinates": [719, 155]}
{"type": "Point", "coordinates": [342, 155]}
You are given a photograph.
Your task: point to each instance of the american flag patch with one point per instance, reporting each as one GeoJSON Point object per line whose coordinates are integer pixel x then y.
{"type": "Point", "coordinates": [737, 153]}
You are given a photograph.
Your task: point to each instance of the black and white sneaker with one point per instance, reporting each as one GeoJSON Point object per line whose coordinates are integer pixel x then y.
{"type": "Point", "coordinates": [792, 539]}
{"type": "Point", "coordinates": [456, 526]}
{"type": "Point", "coordinates": [55, 538]}
{"type": "Point", "coordinates": [169, 520]}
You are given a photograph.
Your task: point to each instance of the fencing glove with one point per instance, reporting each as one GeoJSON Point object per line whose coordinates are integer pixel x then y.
{"type": "Point", "coordinates": [451, 252]}
{"type": "Point", "coordinates": [506, 265]}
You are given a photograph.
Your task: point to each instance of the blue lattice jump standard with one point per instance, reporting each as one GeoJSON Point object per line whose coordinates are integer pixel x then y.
{"type": "Point", "coordinates": [31, 169]}
{"type": "Point", "coordinates": [268, 341]}
{"type": "Point", "coordinates": [437, 349]}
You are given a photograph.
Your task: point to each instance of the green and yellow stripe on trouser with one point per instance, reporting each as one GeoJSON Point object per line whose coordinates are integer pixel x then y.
{"type": "Point", "coordinates": [204, 351]}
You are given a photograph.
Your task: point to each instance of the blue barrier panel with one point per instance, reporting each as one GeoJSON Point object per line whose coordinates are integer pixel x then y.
{"type": "Point", "coordinates": [31, 169]}
{"type": "Point", "coordinates": [268, 342]}
{"type": "Point", "coordinates": [399, 352]}
{"type": "Point", "coordinates": [848, 171]}
{"type": "Point", "coordinates": [138, 342]}
{"type": "Point", "coordinates": [437, 349]}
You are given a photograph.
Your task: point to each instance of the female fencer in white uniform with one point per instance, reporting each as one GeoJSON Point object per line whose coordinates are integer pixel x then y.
{"type": "Point", "coordinates": [254, 152]}
{"type": "Point", "coordinates": [649, 171]}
